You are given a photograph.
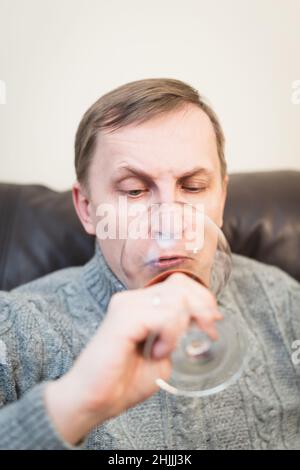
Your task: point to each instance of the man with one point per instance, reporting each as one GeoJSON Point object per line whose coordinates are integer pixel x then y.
{"type": "Point", "coordinates": [72, 374]}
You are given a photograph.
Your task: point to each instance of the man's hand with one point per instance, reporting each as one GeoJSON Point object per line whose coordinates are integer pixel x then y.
{"type": "Point", "coordinates": [111, 374]}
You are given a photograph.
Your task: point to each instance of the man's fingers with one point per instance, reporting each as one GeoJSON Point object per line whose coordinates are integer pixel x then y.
{"type": "Point", "coordinates": [181, 300]}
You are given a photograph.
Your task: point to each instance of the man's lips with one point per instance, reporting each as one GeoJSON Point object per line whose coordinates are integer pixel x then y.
{"type": "Point", "coordinates": [169, 261]}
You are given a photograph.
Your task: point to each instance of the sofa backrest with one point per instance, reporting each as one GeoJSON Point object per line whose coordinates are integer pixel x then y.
{"type": "Point", "coordinates": [40, 231]}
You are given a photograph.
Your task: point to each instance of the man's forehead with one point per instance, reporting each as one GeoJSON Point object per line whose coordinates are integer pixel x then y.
{"type": "Point", "coordinates": [160, 145]}
{"type": "Point", "coordinates": [189, 122]}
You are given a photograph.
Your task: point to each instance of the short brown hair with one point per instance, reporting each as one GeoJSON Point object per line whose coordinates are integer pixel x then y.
{"type": "Point", "coordinates": [137, 102]}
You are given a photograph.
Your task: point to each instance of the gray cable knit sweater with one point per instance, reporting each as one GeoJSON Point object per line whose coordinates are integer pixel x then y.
{"type": "Point", "coordinates": [45, 324]}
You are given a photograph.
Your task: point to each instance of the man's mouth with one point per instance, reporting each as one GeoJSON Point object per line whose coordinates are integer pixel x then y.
{"type": "Point", "coordinates": [169, 261]}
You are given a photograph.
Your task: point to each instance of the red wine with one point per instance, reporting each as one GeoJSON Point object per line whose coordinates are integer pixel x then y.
{"type": "Point", "coordinates": [162, 276]}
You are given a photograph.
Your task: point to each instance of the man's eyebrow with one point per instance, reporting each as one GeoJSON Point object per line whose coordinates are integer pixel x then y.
{"type": "Point", "coordinates": [196, 171]}
{"type": "Point", "coordinates": [125, 170]}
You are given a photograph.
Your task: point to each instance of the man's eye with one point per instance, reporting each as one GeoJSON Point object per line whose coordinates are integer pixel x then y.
{"type": "Point", "coordinates": [135, 192]}
{"type": "Point", "coordinates": [194, 189]}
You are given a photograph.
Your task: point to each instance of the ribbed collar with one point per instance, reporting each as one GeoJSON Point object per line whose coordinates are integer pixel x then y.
{"type": "Point", "coordinates": [100, 280]}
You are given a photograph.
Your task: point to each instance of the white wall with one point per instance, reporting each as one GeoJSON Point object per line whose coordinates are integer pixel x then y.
{"type": "Point", "coordinates": [58, 56]}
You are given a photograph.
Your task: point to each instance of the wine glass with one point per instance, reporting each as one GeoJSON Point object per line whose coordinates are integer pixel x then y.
{"type": "Point", "coordinates": [179, 237]}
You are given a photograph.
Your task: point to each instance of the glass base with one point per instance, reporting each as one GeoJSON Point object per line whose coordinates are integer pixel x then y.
{"type": "Point", "coordinates": [202, 367]}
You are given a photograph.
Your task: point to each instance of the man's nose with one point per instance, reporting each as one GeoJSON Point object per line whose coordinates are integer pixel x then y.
{"type": "Point", "coordinates": [167, 193]}
{"type": "Point", "coordinates": [168, 222]}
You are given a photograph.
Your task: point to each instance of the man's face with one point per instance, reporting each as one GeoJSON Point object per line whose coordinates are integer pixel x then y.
{"type": "Point", "coordinates": [170, 158]}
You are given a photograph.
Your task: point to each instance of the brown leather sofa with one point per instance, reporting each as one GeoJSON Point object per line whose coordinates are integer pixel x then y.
{"type": "Point", "coordinates": [40, 231]}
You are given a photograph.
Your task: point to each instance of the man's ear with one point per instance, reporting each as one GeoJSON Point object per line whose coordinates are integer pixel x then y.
{"type": "Point", "coordinates": [224, 196]}
{"type": "Point", "coordinates": [83, 207]}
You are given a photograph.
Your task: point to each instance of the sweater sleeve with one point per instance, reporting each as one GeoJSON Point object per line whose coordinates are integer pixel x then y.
{"type": "Point", "coordinates": [25, 424]}
{"type": "Point", "coordinates": [24, 421]}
